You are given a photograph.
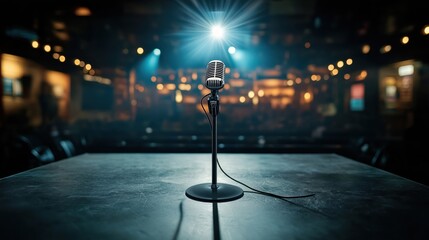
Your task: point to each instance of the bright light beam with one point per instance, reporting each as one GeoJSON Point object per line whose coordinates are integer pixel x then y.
{"type": "Point", "coordinates": [148, 65]}
{"type": "Point", "coordinates": [157, 52]}
{"type": "Point", "coordinates": [212, 25]}
{"type": "Point", "coordinates": [242, 59]}
{"type": "Point", "coordinates": [231, 50]}
{"type": "Point", "coordinates": [218, 32]}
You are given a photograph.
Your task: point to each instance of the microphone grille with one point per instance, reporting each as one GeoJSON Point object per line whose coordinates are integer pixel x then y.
{"type": "Point", "coordinates": [214, 83]}
{"type": "Point", "coordinates": [215, 75]}
{"type": "Point", "coordinates": [215, 69]}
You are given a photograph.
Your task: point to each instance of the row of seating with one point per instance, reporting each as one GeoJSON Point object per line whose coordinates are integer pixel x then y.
{"type": "Point", "coordinates": [25, 150]}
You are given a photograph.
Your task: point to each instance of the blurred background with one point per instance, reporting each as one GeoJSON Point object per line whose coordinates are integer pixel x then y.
{"type": "Point", "coordinates": [308, 76]}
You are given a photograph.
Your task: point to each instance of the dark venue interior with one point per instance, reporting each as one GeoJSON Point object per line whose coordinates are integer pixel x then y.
{"type": "Point", "coordinates": [325, 79]}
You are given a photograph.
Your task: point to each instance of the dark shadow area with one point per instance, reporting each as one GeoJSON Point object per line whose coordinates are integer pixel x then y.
{"type": "Point", "coordinates": [216, 227]}
{"type": "Point", "coordinates": [179, 225]}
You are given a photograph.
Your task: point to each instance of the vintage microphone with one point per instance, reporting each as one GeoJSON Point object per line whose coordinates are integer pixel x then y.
{"type": "Point", "coordinates": [214, 191]}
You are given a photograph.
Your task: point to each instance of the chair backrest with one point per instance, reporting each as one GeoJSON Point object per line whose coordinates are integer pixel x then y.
{"type": "Point", "coordinates": [34, 149]}
{"type": "Point", "coordinates": [68, 147]}
{"type": "Point", "coordinates": [43, 154]}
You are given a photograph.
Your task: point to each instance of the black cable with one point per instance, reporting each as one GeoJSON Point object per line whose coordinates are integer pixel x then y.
{"type": "Point", "coordinates": [259, 191]}
{"type": "Point", "coordinates": [202, 105]}
{"type": "Point", "coordinates": [235, 180]}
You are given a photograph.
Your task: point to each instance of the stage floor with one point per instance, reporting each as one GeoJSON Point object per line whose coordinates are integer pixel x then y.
{"type": "Point", "coordinates": [142, 196]}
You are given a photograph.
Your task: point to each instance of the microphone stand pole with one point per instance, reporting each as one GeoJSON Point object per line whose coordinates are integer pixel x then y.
{"type": "Point", "coordinates": [213, 104]}
{"type": "Point", "coordinates": [214, 192]}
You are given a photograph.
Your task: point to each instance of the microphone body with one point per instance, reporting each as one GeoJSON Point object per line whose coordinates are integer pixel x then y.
{"type": "Point", "coordinates": [215, 75]}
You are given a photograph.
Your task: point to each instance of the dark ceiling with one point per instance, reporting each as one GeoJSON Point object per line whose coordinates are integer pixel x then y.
{"type": "Point", "coordinates": [109, 37]}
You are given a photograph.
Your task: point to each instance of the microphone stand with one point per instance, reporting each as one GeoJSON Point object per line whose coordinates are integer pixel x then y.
{"type": "Point", "coordinates": [214, 192]}
{"type": "Point", "coordinates": [213, 104]}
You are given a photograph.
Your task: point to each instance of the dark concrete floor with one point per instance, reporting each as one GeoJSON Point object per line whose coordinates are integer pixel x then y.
{"type": "Point", "coordinates": [142, 196]}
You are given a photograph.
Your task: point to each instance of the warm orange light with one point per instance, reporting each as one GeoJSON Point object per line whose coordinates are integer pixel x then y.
{"type": "Point", "coordinates": [307, 97]}
{"type": "Point", "coordinates": [426, 30]}
{"type": "Point", "coordinates": [139, 88]}
{"type": "Point", "coordinates": [170, 86]}
{"type": "Point", "coordinates": [82, 11]}
{"type": "Point", "coordinates": [185, 87]}
{"type": "Point", "coordinates": [255, 101]}
{"type": "Point", "coordinates": [349, 61]}
{"type": "Point", "coordinates": [365, 49]}
{"type": "Point", "coordinates": [47, 48]}
{"type": "Point", "coordinates": [251, 94]}
{"type": "Point", "coordinates": [362, 75]}
{"type": "Point", "coordinates": [179, 96]}
{"type": "Point", "coordinates": [386, 49]}
{"type": "Point", "coordinates": [346, 76]}
{"type": "Point", "coordinates": [35, 44]}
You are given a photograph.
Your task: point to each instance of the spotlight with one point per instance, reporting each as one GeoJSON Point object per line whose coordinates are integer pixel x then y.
{"type": "Point", "coordinates": [231, 50]}
{"type": "Point", "coordinates": [212, 27]}
{"type": "Point", "coordinates": [157, 52]}
{"type": "Point", "coordinates": [218, 32]}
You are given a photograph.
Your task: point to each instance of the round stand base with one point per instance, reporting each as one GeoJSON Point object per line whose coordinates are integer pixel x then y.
{"type": "Point", "coordinates": [223, 193]}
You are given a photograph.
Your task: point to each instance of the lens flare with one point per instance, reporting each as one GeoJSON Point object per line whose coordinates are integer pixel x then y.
{"type": "Point", "coordinates": [210, 27]}
{"type": "Point", "coordinates": [218, 32]}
